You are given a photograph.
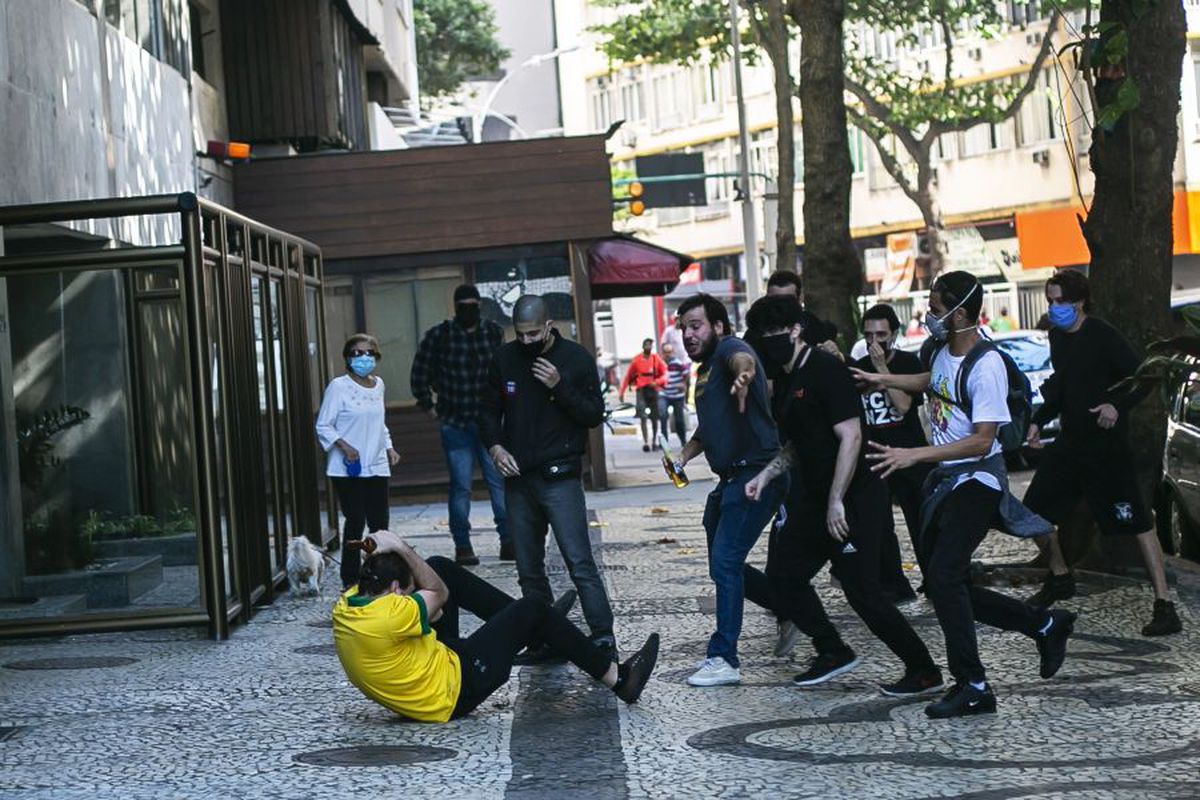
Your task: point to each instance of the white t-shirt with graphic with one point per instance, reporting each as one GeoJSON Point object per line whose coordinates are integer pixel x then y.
{"type": "Point", "coordinates": [987, 386]}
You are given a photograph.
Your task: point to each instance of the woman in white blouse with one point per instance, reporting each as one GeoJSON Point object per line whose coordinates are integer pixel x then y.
{"type": "Point", "coordinates": [351, 429]}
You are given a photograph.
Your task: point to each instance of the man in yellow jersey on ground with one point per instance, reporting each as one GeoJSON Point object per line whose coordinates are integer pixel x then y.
{"type": "Point", "coordinates": [397, 636]}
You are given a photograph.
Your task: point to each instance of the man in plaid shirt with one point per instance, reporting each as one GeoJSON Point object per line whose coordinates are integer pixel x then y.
{"type": "Point", "coordinates": [452, 362]}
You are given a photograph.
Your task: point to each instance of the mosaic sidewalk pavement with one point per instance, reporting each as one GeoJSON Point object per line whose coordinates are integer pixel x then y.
{"type": "Point", "coordinates": [168, 714]}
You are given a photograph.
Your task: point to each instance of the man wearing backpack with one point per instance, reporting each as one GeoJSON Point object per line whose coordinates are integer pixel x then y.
{"type": "Point", "coordinates": [967, 388]}
{"type": "Point", "coordinates": [452, 362]}
{"type": "Point", "coordinates": [1092, 458]}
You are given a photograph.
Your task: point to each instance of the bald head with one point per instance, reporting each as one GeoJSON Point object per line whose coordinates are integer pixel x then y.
{"type": "Point", "coordinates": [530, 310]}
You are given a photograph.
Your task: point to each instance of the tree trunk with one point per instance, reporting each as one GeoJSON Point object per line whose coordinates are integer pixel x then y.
{"type": "Point", "coordinates": [776, 41]}
{"type": "Point", "coordinates": [1128, 229]}
{"type": "Point", "coordinates": [832, 272]}
{"type": "Point", "coordinates": [931, 213]}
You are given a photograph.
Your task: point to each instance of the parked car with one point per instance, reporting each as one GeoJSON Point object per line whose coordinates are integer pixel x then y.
{"type": "Point", "coordinates": [1178, 503]}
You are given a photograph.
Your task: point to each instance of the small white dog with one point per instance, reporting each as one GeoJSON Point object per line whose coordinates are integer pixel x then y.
{"type": "Point", "coordinates": [305, 565]}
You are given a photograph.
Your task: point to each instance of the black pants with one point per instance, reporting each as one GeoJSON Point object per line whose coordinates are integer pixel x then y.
{"type": "Point", "coordinates": [906, 490]}
{"type": "Point", "coordinates": [798, 551]}
{"type": "Point", "coordinates": [961, 523]}
{"type": "Point", "coordinates": [486, 656]}
{"type": "Point", "coordinates": [364, 501]}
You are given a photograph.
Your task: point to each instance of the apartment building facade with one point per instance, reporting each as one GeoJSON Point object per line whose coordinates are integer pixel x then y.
{"type": "Point", "coordinates": [1009, 192]}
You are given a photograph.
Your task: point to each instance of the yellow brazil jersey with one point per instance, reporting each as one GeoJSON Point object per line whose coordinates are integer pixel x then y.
{"type": "Point", "coordinates": [390, 653]}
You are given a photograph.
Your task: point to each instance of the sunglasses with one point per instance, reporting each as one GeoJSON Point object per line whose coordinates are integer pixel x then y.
{"type": "Point", "coordinates": [357, 353]}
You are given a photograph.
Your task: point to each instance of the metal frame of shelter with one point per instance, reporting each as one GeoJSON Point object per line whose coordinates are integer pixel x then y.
{"type": "Point", "coordinates": [249, 304]}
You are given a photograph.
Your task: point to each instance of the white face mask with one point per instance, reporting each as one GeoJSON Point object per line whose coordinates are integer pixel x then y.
{"type": "Point", "coordinates": [937, 325]}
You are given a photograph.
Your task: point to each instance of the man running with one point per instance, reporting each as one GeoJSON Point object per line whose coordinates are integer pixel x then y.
{"type": "Point", "coordinates": [966, 493]}
{"type": "Point", "coordinates": [892, 418]}
{"type": "Point", "coordinates": [1092, 458]}
{"type": "Point", "coordinates": [738, 437]}
{"type": "Point", "coordinates": [396, 634]}
{"type": "Point", "coordinates": [837, 509]}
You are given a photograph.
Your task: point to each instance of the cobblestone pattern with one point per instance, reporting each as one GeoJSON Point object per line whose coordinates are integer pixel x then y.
{"type": "Point", "coordinates": [190, 718]}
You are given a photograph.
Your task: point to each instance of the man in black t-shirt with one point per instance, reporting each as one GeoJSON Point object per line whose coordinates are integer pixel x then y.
{"type": "Point", "coordinates": [837, 511]}
{"type": "Point", "coordinates": [893, 419]}
{"type": "Point", "coordinates": [1092, 458]}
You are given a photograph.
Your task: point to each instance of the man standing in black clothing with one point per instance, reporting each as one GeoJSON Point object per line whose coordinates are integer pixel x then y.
{"type": "Point", "coordinates": [452, 362]}
{"type": "Point", "coordinates": [1092, 458]}
{"type": "Point", "coordinates": [542, 397]}
{"type": "Point", "coordinates": [893, 419]}
{"type": "Point", "coordinates": [817, 332]}
{"type": "Point", "coordinates": [837, 509]}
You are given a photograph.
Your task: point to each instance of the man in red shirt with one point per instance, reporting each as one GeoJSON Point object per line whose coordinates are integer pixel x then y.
{"type": "Point", "coordinates": [648, 373]}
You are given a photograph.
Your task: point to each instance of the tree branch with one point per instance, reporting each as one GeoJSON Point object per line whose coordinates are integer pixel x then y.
{"type": "Point", "coordinates": [1035, 72]}
{"type": "Point", "coordinates": [878, 110]}
{"type": "Point", "coordinates": [948, 43]}
{"type": "Point", "coordinates": [893, 167]}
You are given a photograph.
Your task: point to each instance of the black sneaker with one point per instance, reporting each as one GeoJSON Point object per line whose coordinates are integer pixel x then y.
{"type": "Point", "coordinates": [915, 682]}
{"type": "Point", "coordinates": [964, 700]}
{"type": "Point", "coordinates": [565, 602]}
{"type": "Point", "coordinates": [540, 655]}
{"type": "Point", "coordinates": [635, 672]}
{"type": "Point", "coordinates": [1052, 642]}
{"type": "Point", "coordinates": [826, 666]}
{"type": "Point", "coordinates": [1054, 588]}
{"type": "Point", "coordinates": [465, 557]}
{"type": "Point", "coordinates": [507, 552]}
{"type": "Point", "coordinates": [1165, 620]}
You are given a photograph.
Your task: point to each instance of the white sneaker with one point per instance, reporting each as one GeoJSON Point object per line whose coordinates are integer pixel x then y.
{"type": "Point", "coordinates": [789, 634]}
{"type": "Point", "coordinates": [715, 672]}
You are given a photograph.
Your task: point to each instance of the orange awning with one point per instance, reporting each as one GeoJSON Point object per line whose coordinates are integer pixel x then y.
{"type": "Point", "coordinates": [1051, 237]}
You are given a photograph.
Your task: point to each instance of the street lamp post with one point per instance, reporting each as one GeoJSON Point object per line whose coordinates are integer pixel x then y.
{"type": "Point", "coordinates": [486, 109]}
{"type": "Point", "coordinates": [754, 287]}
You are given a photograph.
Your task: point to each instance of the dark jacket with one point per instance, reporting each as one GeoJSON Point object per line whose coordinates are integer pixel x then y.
{"type": "Point", "coordinates": [539, 425]}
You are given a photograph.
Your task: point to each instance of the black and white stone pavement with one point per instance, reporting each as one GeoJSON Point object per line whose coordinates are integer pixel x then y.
{"type": "Point", "coordinates": [268, 714]}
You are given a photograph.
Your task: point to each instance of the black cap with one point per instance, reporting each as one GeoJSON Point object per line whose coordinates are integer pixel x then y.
{"type": "Point", "coordinates": [466, 292]}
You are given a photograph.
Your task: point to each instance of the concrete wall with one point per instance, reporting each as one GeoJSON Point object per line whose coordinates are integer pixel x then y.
{"type": "Point", "coordinates": [87, 113]}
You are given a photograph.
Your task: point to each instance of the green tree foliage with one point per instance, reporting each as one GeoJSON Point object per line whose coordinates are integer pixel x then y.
{"type": "Point", "coordinates": [456, 42]}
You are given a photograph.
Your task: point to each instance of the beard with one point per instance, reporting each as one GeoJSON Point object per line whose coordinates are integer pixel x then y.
{"type": "Point", "coordinates": [700, 349]}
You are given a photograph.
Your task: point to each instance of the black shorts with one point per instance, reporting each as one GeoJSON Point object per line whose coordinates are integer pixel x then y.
{"type": "Point", "coordinates": [1107, 481]}
{"type": "Point", "coordinates": [647, 402]}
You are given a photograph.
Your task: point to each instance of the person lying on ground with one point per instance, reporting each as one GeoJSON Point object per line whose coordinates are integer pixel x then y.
{"type": "Point", "coordinates": [397, 636]}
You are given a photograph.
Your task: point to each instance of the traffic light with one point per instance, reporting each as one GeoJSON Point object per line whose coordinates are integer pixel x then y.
{"type": "Point", "coordinates": [637, 206]}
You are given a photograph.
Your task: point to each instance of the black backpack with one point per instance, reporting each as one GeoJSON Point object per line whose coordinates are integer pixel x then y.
{"type": "Point", "coordinates": [1020, 393]}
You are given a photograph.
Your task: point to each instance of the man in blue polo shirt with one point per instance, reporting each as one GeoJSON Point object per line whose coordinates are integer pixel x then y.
{"type": "Point", "coordinates": [737, 435]}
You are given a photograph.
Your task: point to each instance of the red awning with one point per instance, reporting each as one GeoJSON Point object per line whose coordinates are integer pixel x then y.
{"type": "Point", "coordinates": [626, 267]}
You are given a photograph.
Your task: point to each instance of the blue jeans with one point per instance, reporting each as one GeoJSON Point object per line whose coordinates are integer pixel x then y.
{"type": "Point", "coordinates": [733, 524]}
{"type": "Point", "coordinates": [463, 450]}
{"type": "Point", "coordinates": [535, 504]}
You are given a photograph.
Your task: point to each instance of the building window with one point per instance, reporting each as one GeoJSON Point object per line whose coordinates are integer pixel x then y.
{"type": "Point", "coordinates": [708, 91]}
{"type": "Point", "coordinates": [633, 100]}
{"type": "Point", "coordinates": [858, 161]}
{"type": "Point", "coordinates": [1038, 118]}
{"type": "Point", "coordinates": [1021, 13]}
{"type": "Point", "coordinates": [602, 111]}
{"type": "Point", "coordinates": [984, 138]}
{"type": "Point", "coordinates": [159, 26]}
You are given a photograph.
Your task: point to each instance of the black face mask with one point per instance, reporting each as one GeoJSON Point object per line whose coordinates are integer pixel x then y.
{"type": "Point", "coordinates": [777, 352]}
{"type": "Point", "coordinates": [533, 349]}
{"type": "Point", "coordinates": [467, 314]}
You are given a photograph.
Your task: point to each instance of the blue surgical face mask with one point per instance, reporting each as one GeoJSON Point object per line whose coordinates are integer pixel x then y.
{"type": "Point", "coordinates": [1063, 315]}
{"type": "Point", "coordinates": [362, 366]}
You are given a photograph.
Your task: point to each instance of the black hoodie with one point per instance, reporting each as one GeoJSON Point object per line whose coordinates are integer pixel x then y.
{"type": "Point", "coordinates": [539, 425]}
